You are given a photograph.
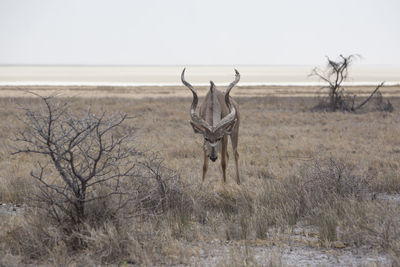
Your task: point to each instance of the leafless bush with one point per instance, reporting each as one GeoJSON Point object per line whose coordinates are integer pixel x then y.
{"type": "Point", "coordinates": [91, 155]}
{"type": "Point", "coordinates": [314, 194]}
{"type": "Point", "coordinates": [88, 167]}
{"type": "Point", "coordinates": [326, 179]}
{"type": "Point", "coordinates": [159, 188]}
{"type": "Point", "coordinates": [329, 185]}
{"type": "Point", "coordinates": [335, 74]}
{"type": "Point", "coordinates": [90, 179]}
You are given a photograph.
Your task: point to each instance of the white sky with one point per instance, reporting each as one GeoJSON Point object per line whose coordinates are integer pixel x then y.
{"type": "Point", "coordinates": [210, 32]}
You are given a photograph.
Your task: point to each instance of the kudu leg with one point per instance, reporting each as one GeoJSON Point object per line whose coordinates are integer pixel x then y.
{"type": "Point", "coordinates": [237, 166]}
{"type": "Point", "coordinates": [205, 165]}
{"type": "Point", "coordinates": [234, 140]}
{"type": "Point", "coordinates": [223, 157]}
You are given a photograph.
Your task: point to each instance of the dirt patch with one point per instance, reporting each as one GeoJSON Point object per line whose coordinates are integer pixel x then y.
{"type": "Point", "coordinates": [219, 253]}
{"type": "Point", "coordinates": [391, 198]}
{"type": "Point", "coordinates": [10, 209]}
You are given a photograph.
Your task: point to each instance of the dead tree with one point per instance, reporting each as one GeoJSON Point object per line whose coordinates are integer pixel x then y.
{"type": "Point", "coordinates": [335, 74]}
{"type": "Point", "coordinates": [81, 158]}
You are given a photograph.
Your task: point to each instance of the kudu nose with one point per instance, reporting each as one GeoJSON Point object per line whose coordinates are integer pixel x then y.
{"type": "Point", "coordinates": [213, 159]}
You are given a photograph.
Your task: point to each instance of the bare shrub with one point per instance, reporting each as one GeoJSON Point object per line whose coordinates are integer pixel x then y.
{"type": "Point", "coordinates": [327, 182]}
{"type": "Point", "coordinates": [338, 201]}
{"type": "Point", "coordinates": [162, 192]}
{"type": "Point", "coordinates": [91, 159]}
{"type": "Point", "coordinates": [159, 188]}
{"type": "Point", "coordinates": [314, 194]}
{"type": "Point", "coordinates": [286, 201]}
{"type": "Point", "coordinates": [126, 236]}
{"type": "Point", "coordinates": [89, 179]}
{"type": "Point", "coordinates": [335, 74]}
{"type": "Point", "coordinates": [325, 179]}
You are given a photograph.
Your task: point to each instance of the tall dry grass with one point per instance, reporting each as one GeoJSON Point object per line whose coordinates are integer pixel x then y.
{"type": "Point", "coordinates": [323, 170]}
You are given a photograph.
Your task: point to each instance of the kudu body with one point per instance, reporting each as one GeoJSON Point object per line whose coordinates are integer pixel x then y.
{"type": "Point", "coordinates": [219, 117]}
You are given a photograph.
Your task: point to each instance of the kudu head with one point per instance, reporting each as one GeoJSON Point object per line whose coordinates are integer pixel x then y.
{"type": "Point", "coordinates": [212, 134]}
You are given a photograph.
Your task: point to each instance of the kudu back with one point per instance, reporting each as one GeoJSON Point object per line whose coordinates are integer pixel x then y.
{"type": "Point", "coordinates": [218, 117]}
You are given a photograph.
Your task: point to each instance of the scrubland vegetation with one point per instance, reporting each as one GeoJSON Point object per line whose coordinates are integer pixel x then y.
{"type": "Point", "coordinates": [311, 180]}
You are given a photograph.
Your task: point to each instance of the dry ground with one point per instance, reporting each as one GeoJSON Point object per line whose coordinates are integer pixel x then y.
{"type": "Point", "coordinates": [317, 187]}
{"type": "Point", "coordinates": [140, 92]}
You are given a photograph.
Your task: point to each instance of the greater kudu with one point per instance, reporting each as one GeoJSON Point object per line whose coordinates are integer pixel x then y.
{"type": "Point", "coordinates": [219, 117]}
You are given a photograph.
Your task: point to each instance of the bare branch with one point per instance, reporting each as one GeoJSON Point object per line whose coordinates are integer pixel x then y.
{"type": "Point", "coordinates": [370, 96]}
{"type": "Point", "coordinates": [82, 149]}
{"type": "Point", "coordinates": [335, 74]}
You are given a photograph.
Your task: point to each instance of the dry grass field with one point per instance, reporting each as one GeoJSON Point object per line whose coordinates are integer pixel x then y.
{"type": "Point", "coordinates": [317, 188]}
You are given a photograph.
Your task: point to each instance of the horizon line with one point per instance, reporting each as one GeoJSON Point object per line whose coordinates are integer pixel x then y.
{"type": "Point", "coordinates": [133, 84]}
{"type": "Point", "coordinates": [182, 65]}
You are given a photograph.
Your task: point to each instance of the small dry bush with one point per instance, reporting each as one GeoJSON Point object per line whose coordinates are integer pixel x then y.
{"type": "Point", "coordinates": [338, 200]}
{"type": "Point", "coordinates": [320, 194]}
{"type": "Point", "coordinates": [120, 236]}
{"type": "Point", "coordinates": [109, 239]}
{"type": "Point", "coordinates": [327, 179]}
{"type": "Point", "coordinates": [326, 184]}
{"type": "Point", "coordinates": [92, 187]}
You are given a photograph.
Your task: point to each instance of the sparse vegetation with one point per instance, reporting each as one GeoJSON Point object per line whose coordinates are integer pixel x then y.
{"type": "Point", "coordinates": [338, 99]}
{"type": "Point", "coordinates": [307, 183]}
{"type": "Point", "coordinates": [91, 163]}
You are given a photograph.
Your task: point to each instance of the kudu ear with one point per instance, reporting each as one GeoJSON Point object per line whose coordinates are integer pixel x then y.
{"type": "Point", "coordinates": [196, 128]}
